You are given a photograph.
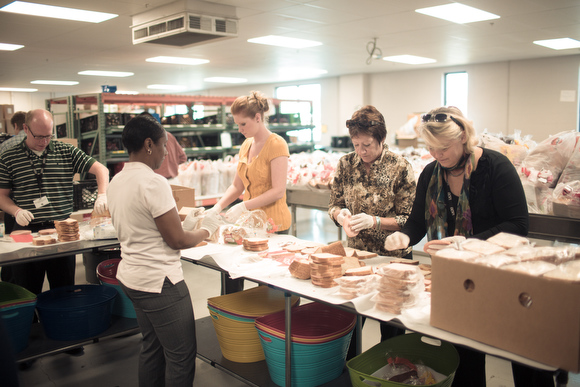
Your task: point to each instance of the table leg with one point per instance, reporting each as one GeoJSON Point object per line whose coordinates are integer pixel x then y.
{"type": "Point", "coordinates": [288, 342]}
{"type": "Point", "coordinates": [293, 212]}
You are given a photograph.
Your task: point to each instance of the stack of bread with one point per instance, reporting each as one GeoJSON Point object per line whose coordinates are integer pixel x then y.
{"type": "Point", "coordinates": [43, 240]}
{"type": "Point", "coordinates": [67, 230]}
{"type": "Point", "coordinates": [255, 244]}
{"type": "Point", "coordinates": [398, 287]}
{"type": "Point", "coordinates": [515, 253]}
{"type": "Point", "coordinates": [325, 268]}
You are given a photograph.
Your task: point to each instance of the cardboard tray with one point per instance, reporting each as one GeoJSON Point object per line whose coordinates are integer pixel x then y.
{"type": "Point", "coordinates": [535, 317]}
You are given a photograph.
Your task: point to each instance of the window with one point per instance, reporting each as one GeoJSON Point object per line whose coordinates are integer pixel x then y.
{"type": "Point", "coordinates": [455, 91]}
{"type": "Point", "coordinates": [307, 116]}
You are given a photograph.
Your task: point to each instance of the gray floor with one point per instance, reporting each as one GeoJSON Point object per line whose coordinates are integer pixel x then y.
{"type": "Point", "coordinates": [113, 363]}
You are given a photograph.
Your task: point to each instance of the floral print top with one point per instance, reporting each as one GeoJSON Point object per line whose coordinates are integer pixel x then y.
{"type": "Point", "coordinates": [387, 191]}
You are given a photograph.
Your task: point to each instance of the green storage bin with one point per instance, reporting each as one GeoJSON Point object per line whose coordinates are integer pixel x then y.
{"type": "Point", "coordinates": [443, 359]}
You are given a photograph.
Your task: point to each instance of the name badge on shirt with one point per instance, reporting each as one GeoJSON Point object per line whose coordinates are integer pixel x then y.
{"type": "Point", "coordinates": [43, 201]}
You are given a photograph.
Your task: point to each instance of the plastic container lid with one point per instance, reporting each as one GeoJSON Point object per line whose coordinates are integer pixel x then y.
{"type": "Point", "coordinates": [255, 302]}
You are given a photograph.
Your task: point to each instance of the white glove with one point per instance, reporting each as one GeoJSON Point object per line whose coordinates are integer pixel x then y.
{"type": "Point", "coordinates": [23, 217]}
{"type": "Point", "coordinates": [342, 215]}
{"type": "Point", "coordinates": [361, 222]}
{"type": "Point", "coordinates": [215, 209]}
{"type": "Point", "coordinates": [101, 205]}
{"type": "Point", "coordinates": [397, 241]}
{"type": "Point", "coordinates": [234, 213]}
{"type": "Point", "coordinates": [211, 222]}
{"type": "Point", "coordinates": [192, 218]}
{"type": "Point", "coordinates": [435, 245]}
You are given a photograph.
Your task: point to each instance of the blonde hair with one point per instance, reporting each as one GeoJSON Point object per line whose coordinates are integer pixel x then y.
{"type": "Point", "coordinates": [249, 106]}
{"type": "Point", "coordinates": [439, 134]}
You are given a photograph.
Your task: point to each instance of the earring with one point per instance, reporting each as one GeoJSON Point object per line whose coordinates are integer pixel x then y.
{"type": "Point", "coordinates": [148, 151]}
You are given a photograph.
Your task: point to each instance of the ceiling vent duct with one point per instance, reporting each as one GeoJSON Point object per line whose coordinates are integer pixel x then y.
{"type": "Point", "coordinates": [184, 23]}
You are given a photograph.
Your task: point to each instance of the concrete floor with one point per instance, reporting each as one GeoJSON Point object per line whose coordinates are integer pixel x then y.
{"type": "Point", "coordinates": [113, 362]}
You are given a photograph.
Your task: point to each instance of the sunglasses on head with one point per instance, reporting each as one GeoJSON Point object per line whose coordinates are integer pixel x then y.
{"type": "Point", "coordinates": [366, 124]}
{"type": "Point", "coordinates": [440, 117]}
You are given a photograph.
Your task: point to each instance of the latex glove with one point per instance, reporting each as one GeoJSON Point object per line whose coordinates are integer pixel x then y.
{"type": "Point", "coordinates": [361, 222]}
{"type": "Point", "coordinates": [435, 245]}
{"type": "Point", "coordinates": [234, 213]}
{"type": "Point", "coordinates": [211, 222]}
{"type": "Point", "coordinates": [23, 217]}
{"type": "Point", "coordinates": [101, 205]}
{"type": "Point", "coordinates": [397, 241]}
{"type": "Point", "coordinates": [342, 215]}
{"type": "Point", "coordinates": [192, 218]}
{"type": "Point", "coordinates": [215, 209]}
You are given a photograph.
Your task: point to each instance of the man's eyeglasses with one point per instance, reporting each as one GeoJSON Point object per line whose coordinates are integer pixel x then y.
{"type": "Point", "coordinates": [39, 137]}
{"type": "Point", "coordinates": [440, 117]}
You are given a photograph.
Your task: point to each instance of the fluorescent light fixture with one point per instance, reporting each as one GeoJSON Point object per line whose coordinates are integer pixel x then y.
{"type": "Point", "coordinates": [559, 44]}
{"type": "Point", "coordinates": [177, 60]}
{"type": "Point", "coordinates": [99, 73]}
{"type": "Point", "coordinates": [409, 59]}
{"type": "Point", "coordinates": [33, 9]}
{"type": "Point", "coordinates": [457, 13]}
{"type": "Point", "coordinates": [167, 87]}
{"type": "Point", "coordinates": [10, 47]}
{"type": "Point", "coordinates": [283, 41]}
{"type": "Point", "coordinates": [20, 89]}
{"type": "Point", "coordinates": [300, 72]}
{"type": "Point", "coordinates": [63, 83]}
{"type": "Point", "coordinates": [225, 80]}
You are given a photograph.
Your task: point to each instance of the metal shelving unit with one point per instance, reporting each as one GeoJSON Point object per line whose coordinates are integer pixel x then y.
{"type": "Point", "coordinates": [78, 107]}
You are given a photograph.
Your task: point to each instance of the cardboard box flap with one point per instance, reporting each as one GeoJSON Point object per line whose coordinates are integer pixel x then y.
{"type": "Point", "coordinates": [184, 196]}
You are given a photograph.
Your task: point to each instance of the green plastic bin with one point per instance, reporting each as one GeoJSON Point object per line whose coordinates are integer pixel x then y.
{"type": "Point", "coordinates": [443, 359]}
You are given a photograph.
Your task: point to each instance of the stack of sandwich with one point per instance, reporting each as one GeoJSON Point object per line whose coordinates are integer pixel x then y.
{"type": "Point", "coordinates": [398, 287]}
{"type": "Point", "coordinates": [255, 244]}
{"type": "Point", "coordinates": [325, 268]}
{"type": "Point", "coordinates": [67, 230]}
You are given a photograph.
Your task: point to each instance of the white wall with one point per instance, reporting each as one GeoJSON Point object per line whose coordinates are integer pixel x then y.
{"type": "Point", "coordinates": [503, 96]}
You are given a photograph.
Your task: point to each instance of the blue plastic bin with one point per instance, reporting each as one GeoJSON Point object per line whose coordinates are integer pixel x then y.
{"type": "Point", "coordinates": [320, 339]}
{"type": "Point", "coordinates": [75, 312]}
{"type": "Point", "coordinates": [17, 311]}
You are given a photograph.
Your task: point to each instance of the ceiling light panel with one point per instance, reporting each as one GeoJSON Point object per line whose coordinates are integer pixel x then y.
{"type": "Point", "coordinates": [63, 83]}
{"type": "Point", "coordinates": [177, 60]}
{"type": "Point", "coordinates": [409, 59]}
{"type": "Point", "coordinates": [283, 41]}
{"type": "Point", "coordinates": [10, 47]}
{"type": "Point", "coordinates": [18, 89]}
{"type": "Point", "coordinates": [33, 9]}
{"type": "Point", "coordinates": [457, 13]}
{"type": "Point", "coordinates": [100, 73]}
{"type": "Point", "coordinates": [559, 44]}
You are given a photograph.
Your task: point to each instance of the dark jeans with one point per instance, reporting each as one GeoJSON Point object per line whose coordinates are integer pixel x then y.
{"type": "Point", "coordinates": [169, 344]}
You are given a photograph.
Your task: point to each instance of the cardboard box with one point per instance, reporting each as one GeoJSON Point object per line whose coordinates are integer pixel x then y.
{"type": "Point", "coordinates": [8, 127]}
{"type": "Point", "coordinates": [184, 196]}
{"type": "Point", "coordinates": [566, 210]}
{"type": "Point", "coordinates": [403, 142]}
{"type": "Point", "coordinates": [535, 317]}
{"type": "Point", "coordinates": [6, 112]}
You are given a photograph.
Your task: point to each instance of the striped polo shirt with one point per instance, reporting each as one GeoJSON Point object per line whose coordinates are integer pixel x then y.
{"type": "Point", "coordinates": [17, 166]}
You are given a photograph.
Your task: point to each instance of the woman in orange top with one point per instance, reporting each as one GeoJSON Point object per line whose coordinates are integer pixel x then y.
{"type": "Point", "coordinates": [262, 167]}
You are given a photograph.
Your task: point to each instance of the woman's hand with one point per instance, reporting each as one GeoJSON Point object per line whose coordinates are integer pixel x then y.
{"type": "Point", "coordinates": [210, 223]}
{"type": "Point", "coordinates": [397, 241]}
{"type": "Point", "coordinates": [435, 245]}
{"type": "Point", "coordinates": [342, 216]}
{"type": "Point", "coordinates": [234, 213]}
{"type": "Point", "coordinates": [361, 222]}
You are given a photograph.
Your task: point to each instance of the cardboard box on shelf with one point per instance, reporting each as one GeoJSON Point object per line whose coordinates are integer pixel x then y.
{"type": "Point", "coordinates": [566, 210]}
{"type": "Point", "coordinates": [184, 196]}
{"type": "Point", "coordinates": [534, 317]}
{"type": "Point", "coordinates": [9, 128]}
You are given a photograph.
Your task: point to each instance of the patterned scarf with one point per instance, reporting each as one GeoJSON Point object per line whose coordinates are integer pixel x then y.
{"type": "Point", "coordinates": [436, 205]}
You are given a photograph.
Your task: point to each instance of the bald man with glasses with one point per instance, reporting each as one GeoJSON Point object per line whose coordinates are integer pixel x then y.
{"type": "Point", "coordinates": [36, 188]}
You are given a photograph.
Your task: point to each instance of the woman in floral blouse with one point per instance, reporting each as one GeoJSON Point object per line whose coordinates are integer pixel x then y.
{"type": "Point", "coordinates": [373, 187]}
